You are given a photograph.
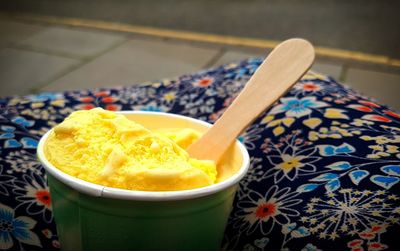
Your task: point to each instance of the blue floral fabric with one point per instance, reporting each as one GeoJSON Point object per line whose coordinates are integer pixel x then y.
{"type": "Point", "coordinates": [325, 161]}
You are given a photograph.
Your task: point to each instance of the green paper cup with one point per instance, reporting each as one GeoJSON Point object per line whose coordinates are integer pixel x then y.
{"type": "Point", "coordinates": [94, 217]}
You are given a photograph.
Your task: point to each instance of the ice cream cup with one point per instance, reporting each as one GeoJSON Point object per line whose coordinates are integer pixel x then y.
{"type": "Point", "coordinates": [94, 217]}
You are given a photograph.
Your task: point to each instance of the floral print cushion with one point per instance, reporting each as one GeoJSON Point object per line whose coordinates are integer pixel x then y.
{"type": "Point", "coordinates": [325, 161]}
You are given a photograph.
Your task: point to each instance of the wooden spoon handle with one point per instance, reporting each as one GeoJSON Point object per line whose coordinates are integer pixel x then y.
{"type": "Point", "coordinates": [286, 64]}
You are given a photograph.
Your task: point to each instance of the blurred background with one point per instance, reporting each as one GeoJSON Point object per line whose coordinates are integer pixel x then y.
{"type": "Point", "coordinates": [57, 45]}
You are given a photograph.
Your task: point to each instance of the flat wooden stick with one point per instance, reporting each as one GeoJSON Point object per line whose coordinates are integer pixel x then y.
{"type": "Point", "coordinates": [283, 67]}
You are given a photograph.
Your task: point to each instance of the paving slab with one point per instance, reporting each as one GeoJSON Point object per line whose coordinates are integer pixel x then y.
{"type": "Point", "coordinates": [332, 70]}
{"type": "Point", "coordinates": [81, 43]}
{"type": "Point", "coordinates": [369, 26]}
{"type": "Point", "coordinates": [231, 56]}
{"type": "Point", "coordinates": [134, 62]}
{"type": "Point", "coordinates": [13, 32]}
{"type": "Point", "coordinates": [385, 87]}
{"type": "Point", "coordinates": [24, 71]}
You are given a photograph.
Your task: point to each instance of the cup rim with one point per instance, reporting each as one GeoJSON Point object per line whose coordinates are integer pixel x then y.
{"type": "Point", "coordinates": [118, 193]}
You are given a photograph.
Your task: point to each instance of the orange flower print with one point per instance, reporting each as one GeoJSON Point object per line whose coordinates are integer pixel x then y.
{"type": "Point", "coordinates": [204, 82]}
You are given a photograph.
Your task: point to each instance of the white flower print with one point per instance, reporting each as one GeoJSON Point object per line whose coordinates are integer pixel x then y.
{"type": "Point", "coordinates": [6, 182]}
{"type": "Point", "coordinates": [262, 212]}
{"type": "Point", "coordinates": [250, 135]}
{"type": "Point", "coordinates": [22, 161]}
{"type": "Point", "coordinates": [290, 158]}
{"type": "Point", "coordinates": [33, 194]}
{"type": "Point", "coordinates": [255, 173]}
{"type": "Point", "coordinates": [350, 212]}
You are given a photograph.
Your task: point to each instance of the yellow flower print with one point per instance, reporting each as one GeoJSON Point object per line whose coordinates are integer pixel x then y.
{"type": "Point", "coordinates": [267, 119]}
{"type": "Point", "coordinates": [390, 128]}
{"type": "Point", "coordinates": [382, 140]}
{"type": "Point", "coordinates": [333, 132]}
{"type": "Point", "coordinates": [383, 154]}
{"type": "Point", "coordinates": [290, 162]}
{"type": "Point", "coordinates": [382, 151]}
{"type": "Point", "coordinates": [333, 113]}
{"type": "Point", "coordinates": [278, 130]}
{"type": "Point", "coordinates": [58, 102]}
{"type": "Point", "coordinates": [18, 101]}
{"type": "Point", "coordinates": [366, 138]}
{"type": "Point", "coordinates": [392, 149]}
{"type": "Point", "coordinates": [376, 147]}
{"type": "Point", "coordinates": [286, 121]}
{"type": "Point", "coordinates": [169, 96]}
{"type": "Point", "coordinates": [278, 123]}
{"type": "Point", "coordinates": [152, 84]}
{"type": "Point", "coordinates": [36, 105]}
{"type": "Point", "coordinates": [312, 122]}
{"type": "Point", "coordinates": [361, 122]}
{"type": "Point", "coordinates": [167, 82]}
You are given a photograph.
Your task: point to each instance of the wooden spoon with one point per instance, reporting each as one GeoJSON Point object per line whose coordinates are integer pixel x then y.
{"type": "Point", "coordinates": [286, 64]}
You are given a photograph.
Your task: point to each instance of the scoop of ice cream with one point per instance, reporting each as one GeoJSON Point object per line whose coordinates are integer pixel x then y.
{"type": "Point", "coordinates": [105, 148]}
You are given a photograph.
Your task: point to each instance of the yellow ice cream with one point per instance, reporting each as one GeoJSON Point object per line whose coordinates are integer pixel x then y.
{"type": "Point", "coordinates": [105, 148]}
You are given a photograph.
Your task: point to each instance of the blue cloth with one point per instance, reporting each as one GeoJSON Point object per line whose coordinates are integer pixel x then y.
{"type": "Point", "coordinates": [325, 161]}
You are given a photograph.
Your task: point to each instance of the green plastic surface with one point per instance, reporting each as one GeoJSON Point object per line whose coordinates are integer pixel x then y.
{"type": "Point", "coordinates": [94, 223]}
